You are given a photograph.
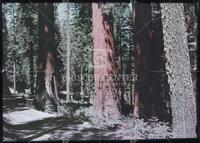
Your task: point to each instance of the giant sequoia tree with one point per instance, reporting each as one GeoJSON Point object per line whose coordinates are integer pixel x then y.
{"type": "Point", "coordinates": [122, 34]}
{"type": "Point", "coordinates": [106, 92]}
{"type": "Point", "coordinates": [47, 84]}
{"type": "Point", "coordinates": [148, 99]}
{"type": "Point", "coordinates": [179, 70]}
{"type": "Point", "coordinates": [138, 25]}
{"type": "Point", "coordinates": [143, 45]}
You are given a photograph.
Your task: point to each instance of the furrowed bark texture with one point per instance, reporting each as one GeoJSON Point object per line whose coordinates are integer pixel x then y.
{"type": "Point", "coordinates": [145, 86]}
{"type": "Point", "coordinates": [46, 79]}
{"type": "Point", "coordinates": [179, 71]}
{"type": "Point", "coordinates": [106, 93]}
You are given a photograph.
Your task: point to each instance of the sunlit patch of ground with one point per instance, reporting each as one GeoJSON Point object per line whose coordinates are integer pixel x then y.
{"type": "Point", "coordinates": [80, 126]}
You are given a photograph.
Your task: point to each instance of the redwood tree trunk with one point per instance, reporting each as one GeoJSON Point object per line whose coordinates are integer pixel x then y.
{"type": "Point", "coordinates": [106, 93]}
{"type": "Point", "coordinates": [143, 44]}
{"type": "Point", "coordinates": [46, 78]}
{"type": "Point", "coordinates": [148, 100]}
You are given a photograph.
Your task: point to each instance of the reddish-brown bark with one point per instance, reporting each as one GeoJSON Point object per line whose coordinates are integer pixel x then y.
{"type": "Point", "coordinates": [106, 93]}
{"type": "Point", "coordinates": [148, 51]}
{"type": "Point", "coordinates": [46, 78]}
{"type": "Point", "coordinates": [143, 44]}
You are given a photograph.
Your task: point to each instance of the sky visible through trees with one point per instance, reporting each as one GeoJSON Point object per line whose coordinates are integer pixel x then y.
{"type": "Point", "coordinates": [99, 70]}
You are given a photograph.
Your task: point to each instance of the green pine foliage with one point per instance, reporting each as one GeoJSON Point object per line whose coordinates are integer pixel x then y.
{"type": "Point", "coordinates": [81, 39]}
{"type": "Point", "coordinates": [22, 17]}
{"type": "Point", "coordinates": [80, 47]}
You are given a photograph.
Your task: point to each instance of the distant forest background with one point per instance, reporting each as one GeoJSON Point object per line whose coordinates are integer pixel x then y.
{"type": "Point", "coordinates": [120, 59]}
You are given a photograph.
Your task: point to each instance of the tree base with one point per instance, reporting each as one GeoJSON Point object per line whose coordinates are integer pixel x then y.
{"type": "Point", "coordinates": [44, 103]}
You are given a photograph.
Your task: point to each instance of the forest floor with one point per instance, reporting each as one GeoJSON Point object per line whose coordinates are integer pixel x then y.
{"type": "Point", "coordinates": [80, 126]}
